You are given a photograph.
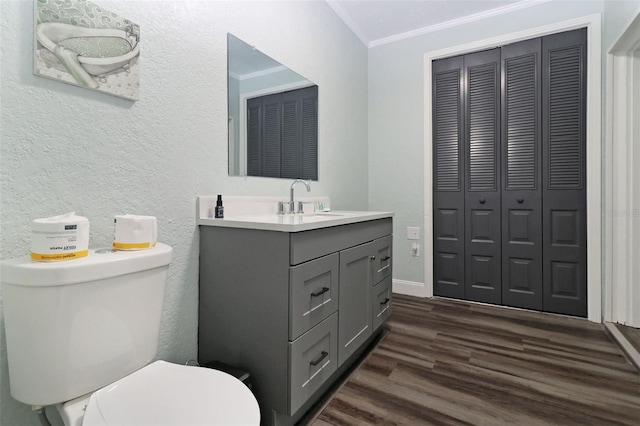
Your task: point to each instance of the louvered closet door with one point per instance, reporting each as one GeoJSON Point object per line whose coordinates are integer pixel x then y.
{"type": "Point", "coordinates": [564, 144]}
{"type": "Point", "coordinates": [482, 161]}
{"type": "Point", "coordinates": [300, 133]}
{"type": "Point", "coordinates": [309, 134]}
{"type": "Point", "coordinates": [521, 180]}
{"type": "Point", "coordinates": [254, 137]}
{"type": "Point", "coordinates": [448, 179]}
{"type": "Point", "coordinates": [263, 136]}
{"type": "Point", "coordinates": [290, 136]}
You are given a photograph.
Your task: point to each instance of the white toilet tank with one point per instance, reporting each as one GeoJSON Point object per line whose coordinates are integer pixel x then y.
{"type": "Point", "coordinates": [75, 326]}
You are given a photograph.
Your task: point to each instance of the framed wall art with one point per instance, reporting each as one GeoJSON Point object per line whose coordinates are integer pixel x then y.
{"type": "Point", "coordinates": [80, 43]}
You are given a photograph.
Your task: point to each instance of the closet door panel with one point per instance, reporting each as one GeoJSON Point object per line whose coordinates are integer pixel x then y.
{"type": "Point", "coordinates": [564, 146]}
{"type": "Point", "coordinates": [271, 146]}
{"type": "Point", "coordinates": [254, 137]}
{"type": "Point", "coordinates": [448, 178]}
{"type": "Point", "coordinates": [482, 165]}
{"type": "Point", "coordinates": [521, 175]}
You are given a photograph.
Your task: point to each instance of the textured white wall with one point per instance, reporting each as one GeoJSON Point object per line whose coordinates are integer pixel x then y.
{"type": "Point", "coordinates": [65, 148]}
{"type": "Point", "coordinates": [396, 117]}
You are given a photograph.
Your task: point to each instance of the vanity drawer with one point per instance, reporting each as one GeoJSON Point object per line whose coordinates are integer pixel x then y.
{"type": "Point", "coordinates": [382, 262]}
{"type": "Point", "coordinates": [381, 302]}
{"type": "Point", "coordinates": [315, 243]}
{"type": "Point", "coordinates": [313, 358]}
{"type": "Point", "coordinates": [313, 293]}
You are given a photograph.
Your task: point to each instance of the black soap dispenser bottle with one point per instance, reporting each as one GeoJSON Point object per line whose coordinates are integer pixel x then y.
{"type": "Point", "coordinates": [219, 214]}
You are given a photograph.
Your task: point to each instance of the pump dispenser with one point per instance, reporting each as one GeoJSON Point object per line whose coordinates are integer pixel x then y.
{"type": "Point", "coordinates": [219, 209]}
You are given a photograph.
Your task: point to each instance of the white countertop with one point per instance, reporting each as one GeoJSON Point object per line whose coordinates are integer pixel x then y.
{"type": "Point", "coordinates": [294, 222]}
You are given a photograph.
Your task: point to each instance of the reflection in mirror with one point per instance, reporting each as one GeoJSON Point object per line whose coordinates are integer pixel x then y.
{"type": "Point", "coordinates": [273, 116]}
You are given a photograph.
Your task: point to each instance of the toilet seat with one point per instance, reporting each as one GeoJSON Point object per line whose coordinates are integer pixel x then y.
{"type": "Point", "coordinates": [163, 393]}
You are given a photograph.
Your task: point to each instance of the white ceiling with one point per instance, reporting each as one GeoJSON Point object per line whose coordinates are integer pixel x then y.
{"type": "Point", "coordinates": [378, 22]}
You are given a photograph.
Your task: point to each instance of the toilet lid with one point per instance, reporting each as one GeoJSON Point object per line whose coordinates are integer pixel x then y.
{"type": "Point", "coordinates": [163, 393]}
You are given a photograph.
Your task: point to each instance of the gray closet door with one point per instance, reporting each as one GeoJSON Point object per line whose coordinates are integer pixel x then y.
{"type": "Point", "coordinates": [254, 137]}
{"type": "Point", "coordinates": [521, 180]}
{"type": "Point", "coordinates": [263, 136]}
{"type": "Point", "coordinates": [564, 144]}
{"type": "Point", "coordinates": [300, 133]}
{"type": "Point", "coordinates": [282, 134]}
{"type": "Point", "coordinates": [448, 179]}
{"type": "Point", "coordinates": [509, 178]}
{"type": "Point", "coordinates": [309, 134]}
{"type": "Point", "coordinates": [482, 163]}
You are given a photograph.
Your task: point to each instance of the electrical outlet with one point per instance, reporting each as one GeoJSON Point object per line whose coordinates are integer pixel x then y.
{"type": "Point", "coordinates": [415, 249]}
{"type": "Point", "coordinates": [413, 233]}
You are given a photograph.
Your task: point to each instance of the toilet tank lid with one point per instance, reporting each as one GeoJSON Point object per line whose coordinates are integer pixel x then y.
{"type": "Point", "coordinates": [98, 264]}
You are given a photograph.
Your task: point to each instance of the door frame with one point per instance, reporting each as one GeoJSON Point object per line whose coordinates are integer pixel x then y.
{"type": "Point", "coordinates": [622, 201]}
{"type": "Point", "coordinates": [594, 146]}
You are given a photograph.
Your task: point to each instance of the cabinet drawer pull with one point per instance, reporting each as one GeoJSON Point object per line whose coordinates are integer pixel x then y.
{"type": "Point", "coordinates": [385, 301]}
{"type": "Point", "coordinates": [322, 356]}
{"type": "Point", "coordinates": [320, 292]}
{"type": "Point", "coordinates": [384, 259]}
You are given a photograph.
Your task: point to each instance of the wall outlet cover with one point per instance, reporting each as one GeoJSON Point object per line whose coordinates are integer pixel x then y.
{"type": "Point", "coordinates": [413, 233]}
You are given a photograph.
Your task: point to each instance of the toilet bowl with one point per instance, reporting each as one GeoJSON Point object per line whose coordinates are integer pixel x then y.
{"type": "Point", "coordinates": [164, 393]}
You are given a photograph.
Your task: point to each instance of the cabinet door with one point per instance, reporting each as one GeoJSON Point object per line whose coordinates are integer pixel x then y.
{"type": "Point", "coordinates": [355, 317]}
{"type": "Point", "coordinates": [382, 259]}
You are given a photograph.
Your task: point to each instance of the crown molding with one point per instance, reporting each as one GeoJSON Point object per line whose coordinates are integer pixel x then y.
{"type": "Point", "coordinates": [335, 5]}
{"type": "Point", "coordinates": [459, 21]}
{"type": "Point", "coordinates": [260, 73]}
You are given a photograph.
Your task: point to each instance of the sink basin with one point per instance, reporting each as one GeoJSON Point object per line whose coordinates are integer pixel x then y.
{"type": "Point", "coordinates": [322, 214]}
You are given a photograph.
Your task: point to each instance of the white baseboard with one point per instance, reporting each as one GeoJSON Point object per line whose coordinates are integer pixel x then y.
{"type": "Point", "coordinates": [409, 288]}
{"type": "Point", "coordinates": [630, 351]}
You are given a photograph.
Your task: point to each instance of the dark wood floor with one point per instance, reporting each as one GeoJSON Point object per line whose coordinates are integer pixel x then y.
{"type": "Point", "coordinates": [450, 362]}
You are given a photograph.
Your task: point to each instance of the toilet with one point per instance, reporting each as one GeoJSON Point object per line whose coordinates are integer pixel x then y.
{"type": "Point", "coordinates": [82, 335]}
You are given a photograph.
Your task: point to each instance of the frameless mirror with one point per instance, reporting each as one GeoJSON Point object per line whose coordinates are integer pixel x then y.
{"type": "Point", "coordinates": [273, 116]}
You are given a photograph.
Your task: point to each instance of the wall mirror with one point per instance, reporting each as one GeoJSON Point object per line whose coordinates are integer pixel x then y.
{"type": "Point", "coordinates": [273, 116]}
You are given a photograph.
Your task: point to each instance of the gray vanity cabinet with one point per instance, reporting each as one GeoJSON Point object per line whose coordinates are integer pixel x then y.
{"type": "Point", "coordinates": [294, 309]}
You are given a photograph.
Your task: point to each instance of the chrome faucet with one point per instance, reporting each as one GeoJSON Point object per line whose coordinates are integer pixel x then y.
{"type": "Point", "coordinates": [291, 203]}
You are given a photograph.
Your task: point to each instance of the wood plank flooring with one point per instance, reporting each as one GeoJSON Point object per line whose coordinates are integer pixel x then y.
{"type": "Point", "coordinates": [447, 362]}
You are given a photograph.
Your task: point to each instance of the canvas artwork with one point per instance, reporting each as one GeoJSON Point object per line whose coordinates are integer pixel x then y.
{"type": "Point", "coordinates": [81, 43]}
